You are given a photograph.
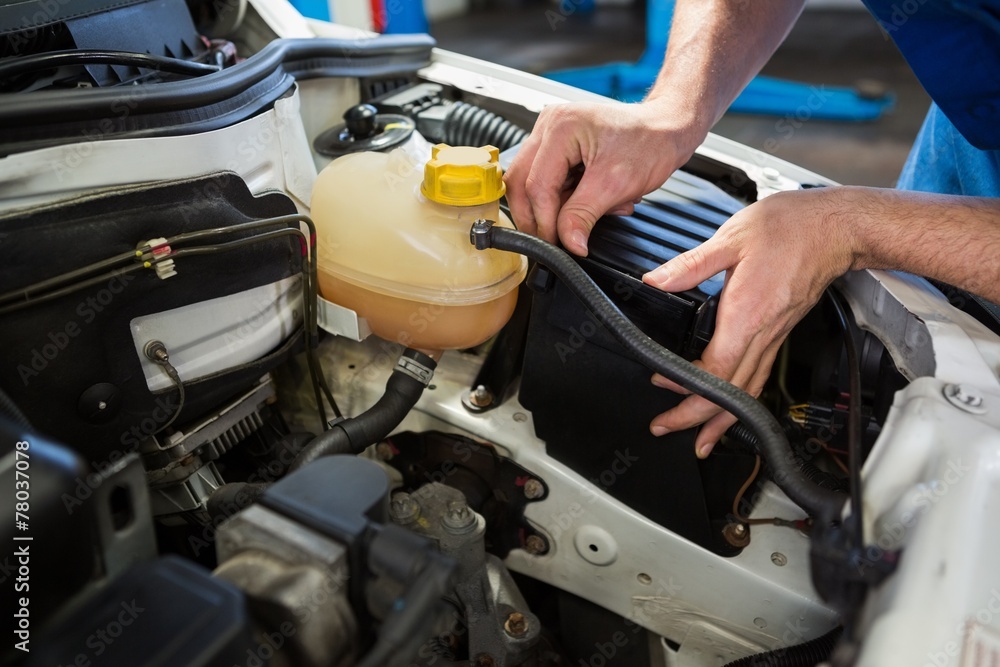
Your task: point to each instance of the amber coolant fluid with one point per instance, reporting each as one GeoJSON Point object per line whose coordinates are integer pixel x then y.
{"type": "Point", "coordinates": [394, 245]}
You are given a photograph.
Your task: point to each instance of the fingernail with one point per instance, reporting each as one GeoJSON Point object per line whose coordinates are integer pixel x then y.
{"type": "Point", "coordinates": [579, 239]}
{"type": "Point", "coordinates": [657, 276]}
{"type": "Point", "coordinates": [704, 450]}
{"type": "Point", "coordinates": [659, 381]}
{"type": "Point", "coordinates": [659, 430]}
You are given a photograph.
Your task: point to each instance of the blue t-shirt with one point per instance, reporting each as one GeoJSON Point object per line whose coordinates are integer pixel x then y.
{"type": "Point", "coordinates": [953, 46]}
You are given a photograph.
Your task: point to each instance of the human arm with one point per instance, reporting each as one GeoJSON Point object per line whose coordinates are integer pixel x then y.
{"type": "Point", "coordinates": [782, 252]}
{"type": "Point", "coordinates": [627, 150]}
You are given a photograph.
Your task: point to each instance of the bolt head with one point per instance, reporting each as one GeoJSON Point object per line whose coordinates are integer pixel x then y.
{"type": "Point", "coordinates": [481, 397]}
{"type": "Point", "coordinates": [403, 508]}
{"type": "Point", "coordinates": [458, 518]}
{"type": "Point", "coordinates": [383, 451]}
{"type": "Point", "coordinates": [533, 489]}
{"type": "Point", "coordinates": [737, 534]}
{"type": "Point", "coordinates": [535, 544]}
{"type": "Point", "coordinates": [779, 559]}
{"type": "Point", "coordinates": [516, 624]}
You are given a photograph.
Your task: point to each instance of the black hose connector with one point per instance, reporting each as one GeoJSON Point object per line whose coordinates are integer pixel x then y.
{"type": "Point", "coordinates": [413, 372]}
{"type": "Point", "coordinates": [808, 654]}
{"type": "Point", "coordinates": [229, 499]}
{"type": "Point", "coordinates": [469, 125]}
{"type": "Point", "coordinates": [774, 448]}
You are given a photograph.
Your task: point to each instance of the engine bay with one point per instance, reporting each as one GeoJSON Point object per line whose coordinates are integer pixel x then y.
{"type": "Point", "coordinates": [265, 403]}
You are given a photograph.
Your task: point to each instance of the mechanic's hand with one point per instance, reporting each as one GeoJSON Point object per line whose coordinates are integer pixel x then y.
{"type": "Point", "coordinates": [583, 160]}
{"type": "Point", "coordinates": [779, 254]}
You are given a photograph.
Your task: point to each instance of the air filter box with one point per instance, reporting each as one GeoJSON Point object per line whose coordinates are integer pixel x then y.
{"type": "Point", "coordinates": [592, 402]}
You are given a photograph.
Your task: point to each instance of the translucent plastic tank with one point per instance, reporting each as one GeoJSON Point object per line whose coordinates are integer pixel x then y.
{"type": "Point", "coordinates": [394, 245]}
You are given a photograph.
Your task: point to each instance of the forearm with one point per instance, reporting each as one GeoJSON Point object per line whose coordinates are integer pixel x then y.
{"type": "Point", "coordinates": [950, 238]}
{"type": "Point", "coordinates": [715, 48]}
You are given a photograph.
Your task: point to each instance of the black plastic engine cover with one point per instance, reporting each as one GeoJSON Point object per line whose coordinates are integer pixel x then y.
{"type": "Point", "coordinates": [592, 403]}
{"type": "Point", "coordinates": [60, 357]}
{"type": "Point", "coordinates": [166, 613]}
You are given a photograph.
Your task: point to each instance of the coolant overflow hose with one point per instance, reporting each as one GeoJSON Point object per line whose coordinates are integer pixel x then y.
{"type": "Point", "coordinates": [774, 448]}
{"type": "Point", "coordinates": [412, 373]}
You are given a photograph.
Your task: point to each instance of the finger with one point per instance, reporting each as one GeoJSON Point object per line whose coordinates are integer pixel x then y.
{"type": "Point", "coordinates": [710, 433]}
{"type": "Point", "coordinates": [666, 383]}
{"type": "Point", "coordinates": [742, 370]}
{"type": "Point", "coordinates": [517, 174]}
{"type": "Point", "coordinates": [593, 197]}
{"type": "Point", "coordinates": [624, 209]}
{"type": "Point", "coordinates": [555, 159]}
{"type": "Point", "coordinates": [690, 412]}
{"type": "Point", "coordinates": [691, 268]}
{"type": "Point", "coordinates": [715, 427]}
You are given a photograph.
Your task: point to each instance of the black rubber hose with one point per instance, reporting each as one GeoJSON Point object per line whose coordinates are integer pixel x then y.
{"type": "Point", "coordinates": [412, 373]}
{"type": "Point", "coordinates": [469, 125]}
{"type": "Point", "coordinates": [38, 62]}
{"type": "Point", "coordinates": [10, 411]}
{"type": "Point", "coordinates": [774, 447]}
{"type": "Point", "coordinates": [229, 499]}
{"type": "Point", "coordinates": [808, 654]}
{"type": "Point", "coordinates": [745, 436]}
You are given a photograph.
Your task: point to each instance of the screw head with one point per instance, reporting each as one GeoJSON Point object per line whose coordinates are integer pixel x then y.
{"type": "Point", "coordinates": [403, 508]}
{"type": "Point", "coordinates": [458, 518]}
{"type": "Point", "coordinates": [516, 624]}
{"type": "Point", "coordinates": [779, 559]}
{"type": "Point", "coordinates": [533, 489]}
{"type": "Point", "coordinates": [484, 660]}
{"type": "Point", "coordinates": [535, 545]}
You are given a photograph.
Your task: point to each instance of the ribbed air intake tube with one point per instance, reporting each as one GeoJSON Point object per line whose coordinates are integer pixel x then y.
{"type": "Point", "coordinates": [808, 654]}
{"type": "Point", "coordinates": [10, 411]}
{"type": "Point", "coordinates": [774, 448]}
{"type": "Point", "coordinates": [413, 372]}
{"type": "Point", "coordinates": [469, 125]}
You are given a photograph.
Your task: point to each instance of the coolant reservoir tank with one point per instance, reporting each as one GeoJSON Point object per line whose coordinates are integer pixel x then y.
{"type": "Point", "coordinates": [393, 245]}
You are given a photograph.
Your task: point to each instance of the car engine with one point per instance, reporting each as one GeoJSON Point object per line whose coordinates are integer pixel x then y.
{"type": "Point", "coordinates": [281, 384]}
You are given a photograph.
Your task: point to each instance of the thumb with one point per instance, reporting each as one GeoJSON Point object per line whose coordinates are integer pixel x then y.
{"type": "Point", "coordinates": [589, 201]}
{"type": "Point", "coordinates": [691, 268]}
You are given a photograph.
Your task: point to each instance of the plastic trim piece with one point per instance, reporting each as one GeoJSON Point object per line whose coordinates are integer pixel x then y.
{"type": "Point", "coordinates": [43, 118]}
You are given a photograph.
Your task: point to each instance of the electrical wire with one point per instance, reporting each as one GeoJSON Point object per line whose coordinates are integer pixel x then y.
{"type": "Point", "coordinates": [798, 524]}
{"type": "Point", "coordinates": [40, 62]}
{"type": "Point", "coordinates": [157, 352]}
{"type": "Point", "coordinates": [831, 451]}
{"type": "Point", "coordinates": [76, 287]}
{"type": "Point", "coordinates": [853, 416]}
{"type": "Point", "coordinates": [783, 373]}
{"type": "Point", "coordinates": [25, 293]}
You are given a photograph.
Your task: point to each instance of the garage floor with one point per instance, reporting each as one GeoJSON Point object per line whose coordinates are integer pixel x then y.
{"type": "Point", "coordinates": [832, 47]}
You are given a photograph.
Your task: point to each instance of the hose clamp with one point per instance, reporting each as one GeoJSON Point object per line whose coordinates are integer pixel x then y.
{"type": "Point", "coordinates": [415, 370]}
{"type": "Point", "coordinates": [479, 235]}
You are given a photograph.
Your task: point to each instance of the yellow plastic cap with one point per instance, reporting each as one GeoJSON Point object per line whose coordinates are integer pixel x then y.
{"type": "Point", "coordinates": [463, 175]}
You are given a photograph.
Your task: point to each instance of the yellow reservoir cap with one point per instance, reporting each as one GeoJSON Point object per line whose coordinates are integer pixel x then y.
{"type": "Point", "coordinates": [463, 175]}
